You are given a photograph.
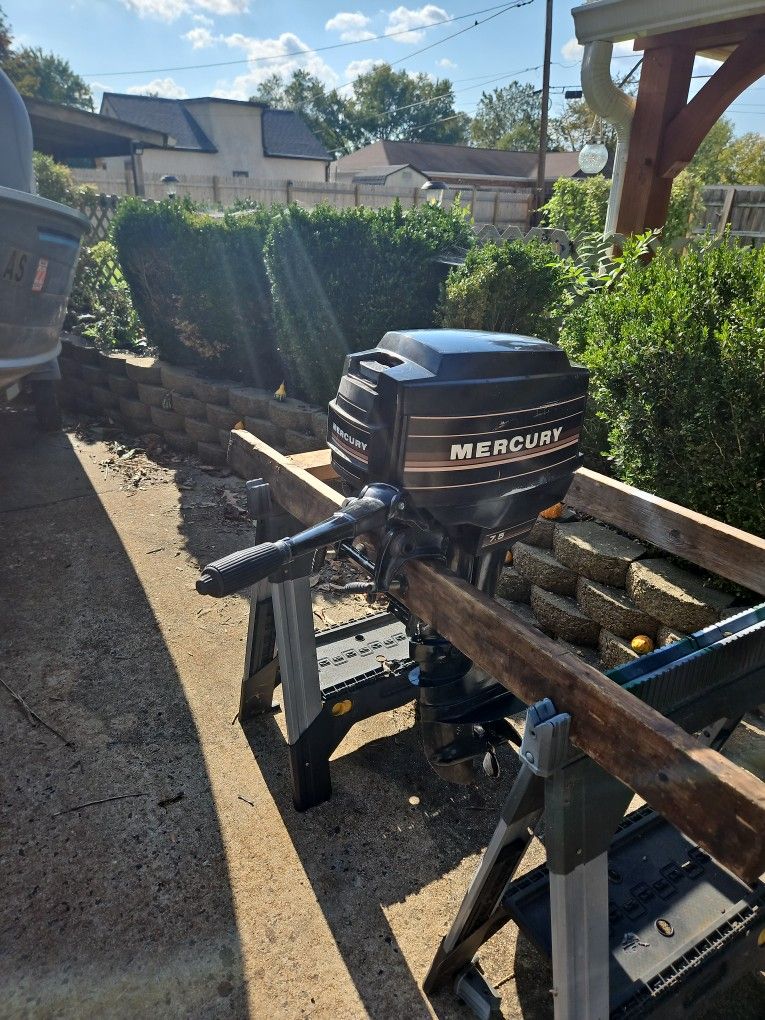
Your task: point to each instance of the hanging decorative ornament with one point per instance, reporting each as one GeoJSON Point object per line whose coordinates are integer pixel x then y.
{"type": "Point", "coordinates": [593, 157]}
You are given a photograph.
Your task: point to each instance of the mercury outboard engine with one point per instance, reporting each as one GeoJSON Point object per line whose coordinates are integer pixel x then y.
{"type": "Point", "coordinates": [449, 444]}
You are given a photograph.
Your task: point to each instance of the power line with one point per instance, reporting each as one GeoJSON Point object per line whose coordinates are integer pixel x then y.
{"type": "Point", "coordinates": [316, 49]}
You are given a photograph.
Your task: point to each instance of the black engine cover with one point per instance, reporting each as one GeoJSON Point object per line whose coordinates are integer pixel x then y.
{"type": "Point", "coordinates": [480, 429]}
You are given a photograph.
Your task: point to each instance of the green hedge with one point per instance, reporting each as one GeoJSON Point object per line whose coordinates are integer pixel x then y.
{"type": "Point", "coordinates": [200, 287]}
{"type": "Point", "coordinates": [677, 356]}
{"type": "Point", "coordinates": [341, 280]}
{"type": "Point", "coordinates": [509, 288]}
{"type": "Point", "coordinates": [100, 307]}
{"type": "Point", "coordinates": [578, 205]}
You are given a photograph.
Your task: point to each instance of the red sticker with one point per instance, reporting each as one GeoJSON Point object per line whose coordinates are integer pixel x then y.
{"type": "Point", "coordinates": [42, 271]}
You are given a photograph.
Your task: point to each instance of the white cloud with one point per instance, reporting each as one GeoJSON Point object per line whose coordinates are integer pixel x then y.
{"type": "Point", "coordinates": [282, 59]}
{"type": "Point", "coordinates": [572, 51]}
{"type": "Point", "coordinates": [200, 38]}
{"type": "Point", "coordinates": [408, 21]}
{"type": "Point", "coordinates": [168, 88]}
{"type": "Point", "coordinates": [170, 10]}
{"type": "Point", "coordinates": [445, 62]}
{"type": "Point", "coordinates": [351, 26]}
{"type": "Point", "coordinates": [202, 19]}
{"type": "Point", "coordinates": [357, 67]}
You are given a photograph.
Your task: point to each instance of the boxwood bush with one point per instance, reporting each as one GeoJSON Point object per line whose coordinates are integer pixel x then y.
{"type": "Point", "coordinates": [677, 359]}
{"type": "Point", "coordinates": [200, 287]}
{"type": "Point", "coordinates": [341, 280]}
{"type": "Point", "coordinates": [511, 288]}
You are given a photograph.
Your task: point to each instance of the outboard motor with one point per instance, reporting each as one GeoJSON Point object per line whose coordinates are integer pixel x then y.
{"type": "Point", "coordinates": [449, 444]}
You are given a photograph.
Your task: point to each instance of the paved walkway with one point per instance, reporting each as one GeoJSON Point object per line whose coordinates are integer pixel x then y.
{"type": "Point", "coordinates": [194, 889]}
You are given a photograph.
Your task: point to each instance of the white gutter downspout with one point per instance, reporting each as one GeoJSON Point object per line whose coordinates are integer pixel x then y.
{"type": "Point", "coordinates": [608, 101]}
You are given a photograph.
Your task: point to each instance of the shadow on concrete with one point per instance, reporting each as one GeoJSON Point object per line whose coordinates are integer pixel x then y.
{"type": "Point", "coordinates": [123, 908]}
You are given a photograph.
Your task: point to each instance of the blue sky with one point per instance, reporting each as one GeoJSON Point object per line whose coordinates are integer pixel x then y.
{"type": "Point", "coordinates": [155, 41]}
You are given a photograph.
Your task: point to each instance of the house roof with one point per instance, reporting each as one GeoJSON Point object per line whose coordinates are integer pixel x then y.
{"type": "Point", "coordinates": [167, 115]}
{"type": "Point", "coordinates": [432, 159]}
{"type": "Point", "coordinates": [65, 132]}
{"type": "Point", "coordinates": [285, 133]}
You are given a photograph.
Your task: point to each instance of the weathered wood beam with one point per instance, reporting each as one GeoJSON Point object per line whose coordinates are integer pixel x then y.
{"type": "Point", "coordinates": [716, 803]}
{"type": "Point", "coordinates": [686, 131]}
{"type": "Point", "coordinates": [720, 548]}
{"type": "Point", "coordinates": [663, 91]}
{"type": "Point", "coordinates": [705, 37]}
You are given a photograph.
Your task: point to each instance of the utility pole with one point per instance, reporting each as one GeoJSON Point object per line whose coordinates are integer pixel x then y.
{"type": "Point", "coordinates": [545, 105]}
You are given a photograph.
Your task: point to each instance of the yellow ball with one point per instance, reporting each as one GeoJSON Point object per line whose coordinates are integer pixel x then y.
{"type": "Point", "coordinates": [641, 644]}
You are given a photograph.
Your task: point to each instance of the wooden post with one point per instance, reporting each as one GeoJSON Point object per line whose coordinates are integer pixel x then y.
{"type": "Point", "coordinates": [664, 81]}
{"type": "Point", "coordinates": [216, 189]}
{"type": "Point", "coordinates": [495, 210]}
{"type": "Point", "coordinates": [289, 192]}
{"type": "Point", "coordinates": [716, 803]}
{"type": "Point", "coordinates": [356, 193]}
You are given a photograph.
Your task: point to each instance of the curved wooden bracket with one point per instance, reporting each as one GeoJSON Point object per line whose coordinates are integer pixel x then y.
{"type": "Point", "coordinates": [686, 131]}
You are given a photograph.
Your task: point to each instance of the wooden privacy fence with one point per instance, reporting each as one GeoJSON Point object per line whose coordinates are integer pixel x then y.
{"type": "Point", "coordinates": [741, 209]}
{"type": "Point", "coordinates": [502, 207]}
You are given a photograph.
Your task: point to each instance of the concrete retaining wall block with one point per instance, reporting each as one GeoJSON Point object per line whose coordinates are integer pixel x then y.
{"type": "Point", "coordinates": [122, 386]}
{"type": "Point", "coordinates": [154, 396]}
{"type": "Point", "coordinates": [291, 414]}
{"type": "Point", "coordinates": [265, 430]}
{"type": "Point", "coordinates": [134, 411]}
{"type": "Point", "coordinates": [614, 650]}
{"type": "Point", "coordinates": [614, 609]}
{"type": "Point", "coordinates": [211, 453]}
{"type": "Point", "coordinates": [93, 376]}
{"type": "Point", "coordinates": [103, 397]}
{"type": "Point", "coordinates": [675, 597]}
{"type": "Point", "coordinates": [222, 417]}
{"type": "Point", "coordinates": [319, 425]}
{"type": "Point", "coordinates": [297, 442]}
{"type": "Point", "coordinates": [512, 586]}
{"type": "Point", "coordinates": [166, 421]}
{"type": "Point", "coordinates": [562, 617]}
{"type": "Point", "coordinates": [112, 364]}
{"type": "Point", "coordinates": [595, 551]}
{"type": "Point", "coordinates": [249, 402]}
{"type": "Point", "coordinates": [181, 442]}
{"type": "Point", "coordinates": [201, 431]}
{"type": "Point", "coordinates": [210, 392]}
{"type": "Point", "coordinates": [179, 380]}
{"type": "Point", "coordinates": [541, 568]}
{"type": "Point", "coordinates": [143, 370]}
{"type": "Point", "coordinates": [188, 407]}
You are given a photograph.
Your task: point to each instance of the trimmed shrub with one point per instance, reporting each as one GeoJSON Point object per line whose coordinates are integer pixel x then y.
{"type": "Point", "coordinates": [677, 356]}
{"type": "Point", "coordinates": [200, 287]}
{"type": "Point", "coordinates": [578, 205]}
{"type": "Point", "coordinates": [56, 182]}
{"type": "Point", "coordinates": [509, 288]}
{"type": "Point", "coordinates": [100, 307]}
{"type": "Point", "coordinates": [342, 279]}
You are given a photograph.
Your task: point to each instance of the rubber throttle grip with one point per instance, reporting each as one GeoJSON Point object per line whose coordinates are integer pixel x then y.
{"type": "Point", "coordinates": [242, 569]}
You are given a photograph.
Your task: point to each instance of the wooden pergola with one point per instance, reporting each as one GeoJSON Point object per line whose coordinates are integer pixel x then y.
{"type": "Point", "coordinates": [668, 127]}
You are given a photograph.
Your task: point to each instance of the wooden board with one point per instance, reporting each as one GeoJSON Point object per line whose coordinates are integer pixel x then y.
{"type": "Point", "coordinates": [720, 548]}
{"type": "Point", "coordinates": [716, 803]}
{"type": "Point", "coordinates": [724, 550]}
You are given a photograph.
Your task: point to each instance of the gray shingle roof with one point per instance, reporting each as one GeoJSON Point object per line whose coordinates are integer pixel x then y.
{"type": "Point", "coordinates": [167, 115]}
{"type": "Point", "coordinates": [285, 133]}
{"type": "Point", "coordinates": [432, 158]}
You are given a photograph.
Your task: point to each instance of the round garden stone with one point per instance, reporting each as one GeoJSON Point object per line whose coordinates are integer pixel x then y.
{"type": "Point", "coordinates": [600, 554]}
{"type": "Point", "coordinates": [562, 617]}
{"type": "Point", "coordinates": [675, 597]}
{"type": "Point", "coordinates": [540, 567]}
{"type": "Point", "coordinates": [513, 586]}
{"type": "Point", "coordinates": [614, 650]}
{"type": "Point", "coordinates": [614, 609]}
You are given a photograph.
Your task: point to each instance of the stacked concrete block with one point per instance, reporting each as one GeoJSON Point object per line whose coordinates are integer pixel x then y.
{"type": "Point", "coordinates": [193, 414]}
{"type": "Point", "coordinates": [594, 588]}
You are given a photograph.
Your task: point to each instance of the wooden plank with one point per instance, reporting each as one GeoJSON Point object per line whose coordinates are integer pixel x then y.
{"type": "Point", "coordinates": [716, 803]}
{"type": "Point", "coordinates": [725, 550]}
{"type": "Point", "coordinates": [317, 463]}
{"type": "Point", "coordinates": [720, 548]}
{"type": "Point", "coordinates": [706, 37]}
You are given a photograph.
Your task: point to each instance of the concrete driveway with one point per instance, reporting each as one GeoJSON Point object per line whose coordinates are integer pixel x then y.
{"type": "Point", "coordinates": [153, 865]}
